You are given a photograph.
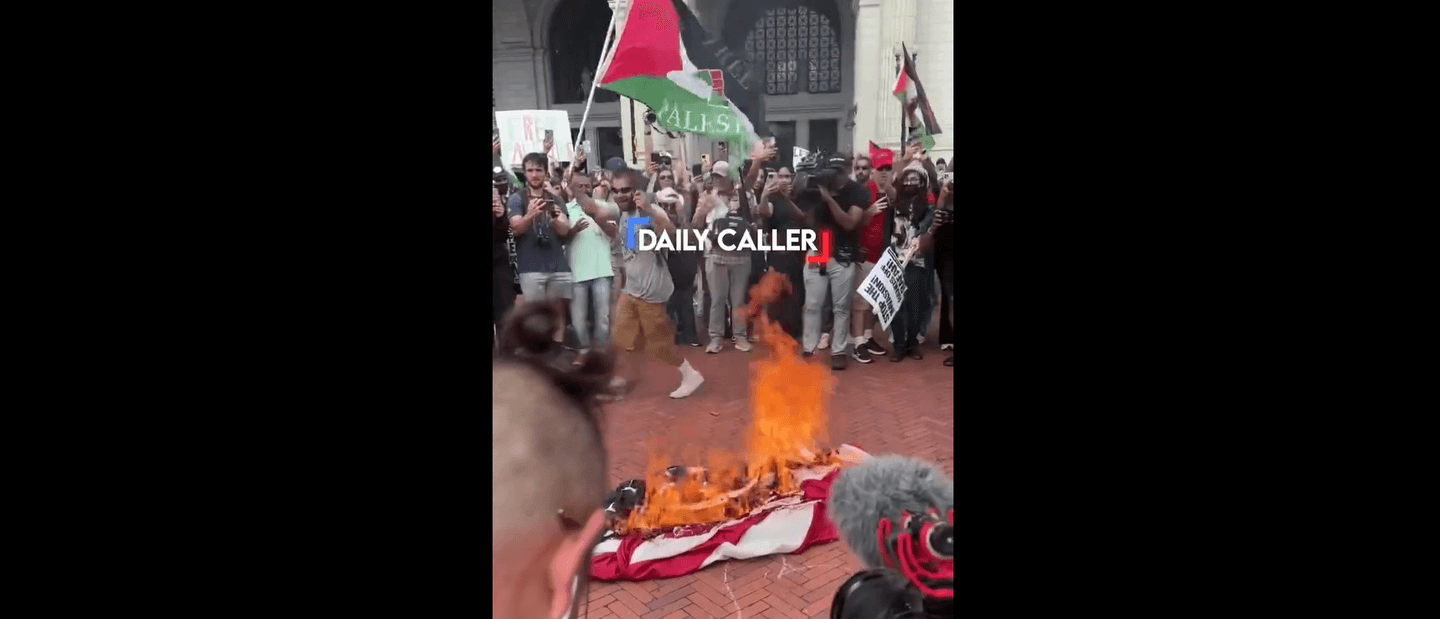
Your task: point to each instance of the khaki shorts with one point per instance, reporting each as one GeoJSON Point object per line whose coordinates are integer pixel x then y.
{"type": "Point", "coordinates": [636, 319]}
{"type": "Point", "coordinates": [858, 302]}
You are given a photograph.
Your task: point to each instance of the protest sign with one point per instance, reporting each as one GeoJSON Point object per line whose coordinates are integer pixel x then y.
{"type": "Point", "coordinates": [884, 289]}
{"type": "Point", "coordinates": [523, 132]}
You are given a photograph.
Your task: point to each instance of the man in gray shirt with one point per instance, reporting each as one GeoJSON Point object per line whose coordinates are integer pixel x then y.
{"type": "Point", "coordinates": [648, 285]}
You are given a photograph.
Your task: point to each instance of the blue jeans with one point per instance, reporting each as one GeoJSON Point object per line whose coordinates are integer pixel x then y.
{"type": "Point", "coordinates": [591, 295]}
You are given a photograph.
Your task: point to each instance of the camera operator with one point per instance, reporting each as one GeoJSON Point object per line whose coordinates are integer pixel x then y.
{"type": "Point", "coordinates": [540, 225]}
{"type": "Point", "coordinates": [833, 203]}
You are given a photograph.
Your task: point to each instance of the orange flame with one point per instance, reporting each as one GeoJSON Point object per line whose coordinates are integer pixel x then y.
{"type": "Point", "coordinates": [788, 401]}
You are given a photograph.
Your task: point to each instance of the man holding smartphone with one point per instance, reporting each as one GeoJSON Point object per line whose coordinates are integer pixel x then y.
{"type": "Point", "coordinates": [588, 246]}
{"type": "Point", "coordinates": [540, 226]}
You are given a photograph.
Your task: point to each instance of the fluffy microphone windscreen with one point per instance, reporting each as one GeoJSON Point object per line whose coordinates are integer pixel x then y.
{"type": "Point", "coordinates": [884, 487]}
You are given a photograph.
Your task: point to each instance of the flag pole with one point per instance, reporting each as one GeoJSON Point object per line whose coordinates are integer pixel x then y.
{"type": "Point", "coordinates": [605, 55]}
{"type": "Point", "coordinates": [899, 69]}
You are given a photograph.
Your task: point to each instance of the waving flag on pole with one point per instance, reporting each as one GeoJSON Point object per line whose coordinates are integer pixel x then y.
{"type": "Point", "coordinates": [912, 96]}
{"type": "Point", "coordinates": [650, 65]}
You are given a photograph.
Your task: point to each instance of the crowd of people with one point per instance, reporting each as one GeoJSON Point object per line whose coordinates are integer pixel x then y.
{"type": "Point", "coordinates": [558, 238]}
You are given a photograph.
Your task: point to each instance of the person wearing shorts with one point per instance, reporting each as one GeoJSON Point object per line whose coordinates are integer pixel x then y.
{"type": "Point", "coordinates": [640, 316]}
{"type": "Point", "coordinates": [540, 225]}
{"type": "Point", "coordinates": [874, 233]}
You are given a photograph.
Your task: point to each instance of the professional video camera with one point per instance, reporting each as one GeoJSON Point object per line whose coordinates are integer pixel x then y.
{"type": "Point", "coordinates": [817, 169]}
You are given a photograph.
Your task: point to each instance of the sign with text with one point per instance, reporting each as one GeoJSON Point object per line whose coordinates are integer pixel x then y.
{"type": "Point", "coordinates": [523, 132]}
{"type": "Point", "coordinates": [884, 289]}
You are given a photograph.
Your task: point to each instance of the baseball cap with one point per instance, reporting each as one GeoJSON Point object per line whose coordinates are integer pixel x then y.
{"type": "Point", "coordinates": [615, 164]}
{"type": "Point", "coordinates": [667, 195]}
{"type": "Point", "coordinates": [721, 168]}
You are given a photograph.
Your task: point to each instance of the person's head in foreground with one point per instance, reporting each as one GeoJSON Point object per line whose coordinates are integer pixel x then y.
{"type": "Point", "coordinates": [549, 475]}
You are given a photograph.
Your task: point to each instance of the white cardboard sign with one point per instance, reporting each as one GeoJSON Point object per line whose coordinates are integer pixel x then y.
{"type": "Point", "coordinates": [884, 289]}
{"type": "Point", "coordinates": [523, 132]}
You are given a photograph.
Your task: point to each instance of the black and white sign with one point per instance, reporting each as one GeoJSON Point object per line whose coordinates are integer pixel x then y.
{"type": "Point", "coordinates": [884, 289]}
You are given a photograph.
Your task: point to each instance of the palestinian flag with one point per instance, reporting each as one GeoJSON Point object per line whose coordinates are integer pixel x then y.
{"type": "Point", "coordinates": [912, 96]}
{"type": "Point", "coordinates": [650, 65]}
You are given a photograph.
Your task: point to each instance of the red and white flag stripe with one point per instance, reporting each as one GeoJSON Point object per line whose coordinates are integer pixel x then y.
{"type": "Point", "coordinates": [783, 526]}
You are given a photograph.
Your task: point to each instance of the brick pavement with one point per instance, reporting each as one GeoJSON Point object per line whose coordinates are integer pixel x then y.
{"type": "Point", "coordinates": [902, 408]}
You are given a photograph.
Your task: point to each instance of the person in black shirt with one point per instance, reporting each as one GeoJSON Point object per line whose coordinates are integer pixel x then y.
{"type": "Point", "coordinates": [913, 236]}
{"type": "Point", "coordinates": [779, 214]}
{"type": "Point", "coordinates": [945, 262]}
{"type": "Point", "coordinates": [503, 282]}
{"type": "Point", "coordinates": [834, 208]}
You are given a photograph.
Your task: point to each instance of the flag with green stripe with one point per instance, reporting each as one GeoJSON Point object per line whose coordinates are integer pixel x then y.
{"type": "Point", "coordinates": [650, 65]}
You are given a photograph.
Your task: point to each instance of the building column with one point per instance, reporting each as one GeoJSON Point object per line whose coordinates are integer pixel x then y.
{"type": "Point", "coordinates": [897, 26]}
{"type": "Point", "coordinates": [871, 55]}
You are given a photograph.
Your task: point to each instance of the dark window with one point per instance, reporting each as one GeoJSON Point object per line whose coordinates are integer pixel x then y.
{"type": "Point", "coordinates": [784, 132]}
{"type": "Point", "coordinates": [796, 48]}
{"type": "Point", "coordinates": [611, 145]}
{"type": "Point", "coordinates": [576, 43]}
{"type": "Point", "coordinates": [825, 135]}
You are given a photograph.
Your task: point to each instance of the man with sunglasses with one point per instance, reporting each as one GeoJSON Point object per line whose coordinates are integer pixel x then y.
{"type": "Point", "coordinates": [588, 246]}
{"type": "Point", "coordinates": [649, 285]}
{"type": "Point", "coordinates": [875, 227]}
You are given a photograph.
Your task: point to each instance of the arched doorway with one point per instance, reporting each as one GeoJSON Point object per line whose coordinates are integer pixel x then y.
{"type": "Point", "coordinates": [577, 40]}
{"type": "Point", "coordinates": [801, 52]}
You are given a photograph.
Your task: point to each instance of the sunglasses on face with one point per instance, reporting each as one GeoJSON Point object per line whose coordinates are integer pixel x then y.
{"type": "Point", "coordinates": [624, 189]}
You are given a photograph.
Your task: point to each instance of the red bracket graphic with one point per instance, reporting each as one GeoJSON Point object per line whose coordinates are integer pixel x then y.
{"type": "Point", "coordinates": [824, 249]}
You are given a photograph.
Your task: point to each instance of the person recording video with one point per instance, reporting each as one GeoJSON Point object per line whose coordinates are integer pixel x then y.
{"type": "Point", "coordinates": [540, 224]}
{"type": "Point", "coordinates": [833, 204]}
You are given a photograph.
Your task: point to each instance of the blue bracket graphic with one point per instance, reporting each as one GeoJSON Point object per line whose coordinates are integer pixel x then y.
{"type": "Point", "coordinates": [635, 222]}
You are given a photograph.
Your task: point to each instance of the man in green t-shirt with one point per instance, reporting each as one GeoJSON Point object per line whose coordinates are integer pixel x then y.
{"type": "Point", "coordinates": [588, 249]}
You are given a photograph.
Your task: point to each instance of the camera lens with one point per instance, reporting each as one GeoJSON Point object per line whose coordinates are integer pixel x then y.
{"type": "Point", "coordinates": [941, 541]}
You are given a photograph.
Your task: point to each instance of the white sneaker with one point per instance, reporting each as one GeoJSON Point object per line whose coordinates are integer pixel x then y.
{"type": "Point", "coordinates": [920, 338]}
{"type": "Point", "coordinates": [690, 380]}
{"type": "Point", "coordinates": [824, 342]}
{"type": "Point", "coordinates": [947, 347]}
{"type": "Point", "coordinates": [715, 346]}
{"type": "Point", "coordinates": [743, 345]}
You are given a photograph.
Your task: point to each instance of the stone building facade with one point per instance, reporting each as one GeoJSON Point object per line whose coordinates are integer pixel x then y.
{"type": "Point", "coordinates": [829, 89]}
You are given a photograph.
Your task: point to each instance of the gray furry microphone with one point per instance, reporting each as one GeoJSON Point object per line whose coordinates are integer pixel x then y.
{"type": "Point", "coordinates": [884, 487]}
